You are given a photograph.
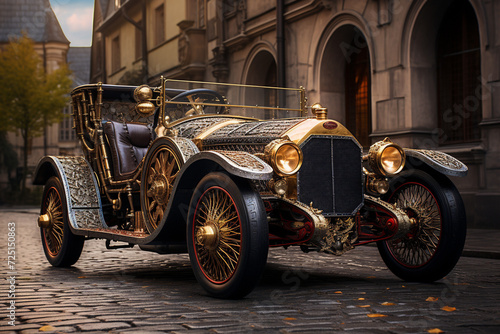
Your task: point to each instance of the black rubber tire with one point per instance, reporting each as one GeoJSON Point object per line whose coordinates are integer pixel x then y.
{"type": "Point", "coordinates": [253, 235]}
{"type": "Point", "coordinates": [69, 252]}
{"type": "Point", "coordinates": [440, 259]}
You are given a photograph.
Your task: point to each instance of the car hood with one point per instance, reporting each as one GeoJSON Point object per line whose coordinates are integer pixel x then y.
{"type": "Point", "coordinates": [226, 132]}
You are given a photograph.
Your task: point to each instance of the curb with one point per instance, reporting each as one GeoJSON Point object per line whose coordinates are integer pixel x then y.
{"type": "Point", "coordinates": [481, 254]}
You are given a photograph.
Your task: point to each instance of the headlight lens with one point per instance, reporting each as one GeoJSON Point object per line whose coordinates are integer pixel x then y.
{"type": "Point", "coordinates": [386, 158]}
{"type": "Point", "coordinates": [284, 156]}
{"type": "Point", "coordinates": [288, 159]}
{"type": "Point", "coordinates": [391, 160]}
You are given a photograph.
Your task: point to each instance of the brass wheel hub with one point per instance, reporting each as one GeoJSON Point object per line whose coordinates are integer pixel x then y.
{"type": "Point", "coordinates": [208, 236]}
{"type": "Point", "coordinates": [217, 235]}
{"type": "Point", "coordinates": [159, 188]}
{"type": "Point", "coordinates": [45, 220]}
{"type": "Point", "coordinates": [421, 243]}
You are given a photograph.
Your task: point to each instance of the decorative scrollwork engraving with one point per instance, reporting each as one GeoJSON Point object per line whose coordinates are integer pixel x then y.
{"type": "Point", "coordinates": [440, 161]}
{"type": "Point", "coordinates": [82, 196]}
{"type": "Point", "coordinates": [244, 160]}
{"type": "Point", "coordinates": [193, 128]}
{"type": "Point", "coordinates": [187, 147]}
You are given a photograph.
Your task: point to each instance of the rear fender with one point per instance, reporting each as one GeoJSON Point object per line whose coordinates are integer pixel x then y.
{"type": "Point", "coordinates": [81, 192]}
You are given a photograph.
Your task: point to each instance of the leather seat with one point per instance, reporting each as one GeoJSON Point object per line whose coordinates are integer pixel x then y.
{"type": "Point", "coordinates": [128, 143]}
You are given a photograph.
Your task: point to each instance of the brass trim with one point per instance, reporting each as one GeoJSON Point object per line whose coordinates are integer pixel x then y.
{"type": "Point", "coordinates": [216, 127]}
{"type": "Point", "coordinates": [311, 126]}
{"type": "Point", "coordinates": [271, 150]}
{"type": "Point", "coordinates": [45, 220]}
{"type": "Point", "coordinates": [375, 157]}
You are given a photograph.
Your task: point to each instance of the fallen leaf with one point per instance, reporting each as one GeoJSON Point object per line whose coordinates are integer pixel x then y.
{"type": "Point", "coordinates": [82, 277]}
{"type": "Point", "coordinates": [361, 299]}
{"type": "Point", "coordinates": [448, 308]}
{"type": "Point", "coordinates": [434, 331]}
{"type": "Point", "coordinates": [432, 299]}
{"type": "Point", "coordinates": [388, 304]}
{"type": "Point", "coordinates": [363, 306]}
{"type": "Point", "coordinates": [339, 292]}
{"type": "Point", "coordinates": [146, 286]}
{"type": "Point", "coordinates": [46, 329]}
{"type": "Point", "coordinates": [376, 315]}
{"type": "Point", "coordinates": [289, 319]}
{"type": "Point", "coordinates": [403, 286]}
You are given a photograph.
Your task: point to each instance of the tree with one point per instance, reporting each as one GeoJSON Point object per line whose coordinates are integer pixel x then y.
{"type": "Point", "coordinates": [30, 98]}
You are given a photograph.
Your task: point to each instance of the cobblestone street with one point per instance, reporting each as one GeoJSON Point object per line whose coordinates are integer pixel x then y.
{"type": "Point", "coordinates": [129, 290]}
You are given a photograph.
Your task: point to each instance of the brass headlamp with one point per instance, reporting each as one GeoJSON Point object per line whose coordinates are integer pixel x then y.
{"type": "Point", "coordinates": [386, 158]}
{"type": "Point", "coordinates": [284, 156]}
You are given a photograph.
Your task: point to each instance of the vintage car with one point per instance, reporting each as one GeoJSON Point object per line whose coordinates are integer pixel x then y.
{"type": "Point", "coordinates": [181, 168]}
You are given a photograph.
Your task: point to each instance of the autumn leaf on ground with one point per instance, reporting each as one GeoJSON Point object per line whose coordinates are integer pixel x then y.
{"type": "Point", "coordinates": [363, 306]}
{"type": "Point", "coordinates": [46, 329]}
{"type": "Point", "coordinates": [361, 299]}
{"type": "Point", "coordinates": [376, 315]}
{"type": "Point", "coordinates": [289, 319]}
{"type": "Point", "coordinates": [388, 304]}
{"type": "Point", "coordinates": [434, 331]}
{"type": "Point", "coordinates": [82, 277]}
{"type": "Point", "coordinates": [448, 308]}
{"type": "Point", "coordinates": [339, 292]}
{"type": "Point", "coordinates": [432, 299]}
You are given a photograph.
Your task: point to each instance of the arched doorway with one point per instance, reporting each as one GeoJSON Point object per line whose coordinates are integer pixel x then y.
{"type": "Point", "coordinates": [458, 71]}
{"type": "Point", "coordinates": [262, 72]}
{"type": "Point", "coordinates": [445, 69]}
{"type": "Point", "coordinates": [345, 81]}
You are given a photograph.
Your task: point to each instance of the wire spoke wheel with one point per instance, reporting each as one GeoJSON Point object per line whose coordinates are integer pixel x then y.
{"type": "Point", "coordinates": [54, 233]}
{"type": "Point", "coordinates": [217, 233]}
{"type": "Point", "coordinates": [62, 248]}
{"type": "Point", "coordinates": [434, 243]}
{"type": "Point", "coordinates": [420, 245]}
{"type": "Point", "coordinates": [227, 235]}
{"type": "Point", "coordinates": [160, 170]}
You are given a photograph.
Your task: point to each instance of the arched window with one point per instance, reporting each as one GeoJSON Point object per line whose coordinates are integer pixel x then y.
{"type": "Point", "coordinates": [458, 74]}
{"type": "Point", "coordinates": [358, 92]}
{"type": "Point", "coordinates": [262, 72]}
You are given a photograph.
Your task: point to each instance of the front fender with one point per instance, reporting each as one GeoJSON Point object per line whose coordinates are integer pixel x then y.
{"type": "Point", "coordinates": [242, 164]}
{"type": "Point", "coordinates": [439, 161]}
{"type": "Point", "coordinates": [239, 164]}
{"type": "Point", "coordinates": [81, 193]}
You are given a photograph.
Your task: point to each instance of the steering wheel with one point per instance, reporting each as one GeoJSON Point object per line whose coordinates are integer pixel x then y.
{"type": "Point", "coordinates": [199, 102]}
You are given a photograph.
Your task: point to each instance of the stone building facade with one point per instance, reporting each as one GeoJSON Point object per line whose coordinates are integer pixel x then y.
{"type": "Point", "coordinates": [424, 73]}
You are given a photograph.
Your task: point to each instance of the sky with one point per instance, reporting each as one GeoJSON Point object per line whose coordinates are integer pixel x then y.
{"type": "Point", "coordinates": [75, 18]}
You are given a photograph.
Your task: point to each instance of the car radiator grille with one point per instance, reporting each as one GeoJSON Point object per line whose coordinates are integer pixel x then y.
{"type": "Point", "coordinates": [331, 175]}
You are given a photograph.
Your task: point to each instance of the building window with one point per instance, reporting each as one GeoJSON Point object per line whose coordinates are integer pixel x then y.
{"type": "Point", "coordinates": [459, 72]}
{"type": "Point", "coordinates": [358, 95]}
{"type": "Point", "coordinates": [138, 41]}
{"type": "Point", "coordinates": [115, 54]}
{"type": "Point", "coordinates": [159, 25]}
{"type": "Point", "coordinates": [66, 132]}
